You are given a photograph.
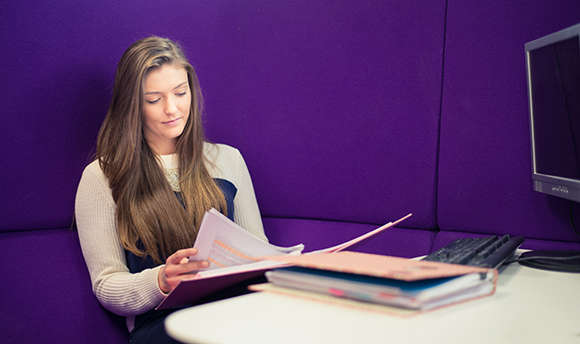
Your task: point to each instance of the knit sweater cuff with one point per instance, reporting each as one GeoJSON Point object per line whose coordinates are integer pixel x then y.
{"type": "Point", "coordinates": [152, 289]}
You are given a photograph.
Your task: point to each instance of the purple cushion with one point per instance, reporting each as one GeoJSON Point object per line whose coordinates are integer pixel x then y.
{"type": "Point", "coordinates": [333, 106]}
{"type": "Point", "coordinates": [322, 234]}
{"type": "Point", "coordinates": [46, 292]}
{"type": "Point", "coordinates": [484, 165]}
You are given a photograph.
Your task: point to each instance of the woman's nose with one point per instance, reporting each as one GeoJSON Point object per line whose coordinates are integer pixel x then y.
{"type": "Point", "coordinates": [170, 106]}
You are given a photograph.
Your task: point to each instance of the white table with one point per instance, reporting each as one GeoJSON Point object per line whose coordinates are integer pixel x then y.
{"type": "Point", "coordinates": [529, 306]}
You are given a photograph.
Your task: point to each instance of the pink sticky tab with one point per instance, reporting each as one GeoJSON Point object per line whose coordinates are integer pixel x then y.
{"type": "Point", "coordinates": [336, 292]}
{"type": "Point", "coordinates": [387, 296]}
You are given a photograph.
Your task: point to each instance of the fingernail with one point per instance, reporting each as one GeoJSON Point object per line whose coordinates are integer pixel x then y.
{"type": "Point", "coordinates": [204, 264]}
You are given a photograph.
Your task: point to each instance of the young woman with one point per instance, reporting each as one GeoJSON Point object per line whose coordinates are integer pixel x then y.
{"type": "Point", "coordinates": [140, 203]}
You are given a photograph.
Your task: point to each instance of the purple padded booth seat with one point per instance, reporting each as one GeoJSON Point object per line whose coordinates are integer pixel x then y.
{"type": "Point", "coordinates": [316, 234]}
{"type": "Point", "coordinates": [485, 181]}
{"type": "Point", "coordinates": [46, 294]}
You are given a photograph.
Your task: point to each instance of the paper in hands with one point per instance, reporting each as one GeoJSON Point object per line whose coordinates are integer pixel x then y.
{"type": "Point", "coordinates": [234, 254]}
{"type": "Point", "coordinates": [223, 243]}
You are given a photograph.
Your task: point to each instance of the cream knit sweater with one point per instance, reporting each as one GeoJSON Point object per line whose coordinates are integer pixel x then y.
{"type": "Point", "coordinates": [117, 289]}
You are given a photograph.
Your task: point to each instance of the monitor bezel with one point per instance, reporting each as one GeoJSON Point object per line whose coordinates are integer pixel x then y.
{"type": "Point", "coordinates": [546, 183]}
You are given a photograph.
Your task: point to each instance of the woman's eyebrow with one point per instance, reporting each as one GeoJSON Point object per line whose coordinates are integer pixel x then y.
{"type": "Point", "coordinates": [176, 87]}
{"type": "Point", "coordinates": [180, 85]}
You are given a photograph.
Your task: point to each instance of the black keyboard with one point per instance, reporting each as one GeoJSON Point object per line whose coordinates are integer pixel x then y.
{"type": "Point", "coordinates": [489, 252]}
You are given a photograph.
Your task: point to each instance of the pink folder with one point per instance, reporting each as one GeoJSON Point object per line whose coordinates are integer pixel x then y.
{"type": "Point", "coordinates": [378, 265]}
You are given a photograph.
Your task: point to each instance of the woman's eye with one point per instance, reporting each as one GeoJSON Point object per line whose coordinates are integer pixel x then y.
{"type": "Point", "coordinates": [152, 101]}
{"type": "Point", "coordinates": [181, 94]}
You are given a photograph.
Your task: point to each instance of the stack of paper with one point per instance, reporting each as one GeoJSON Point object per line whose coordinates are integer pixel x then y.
{"type": "Point", "coordinates": [384, 280]}
{"type": "Point", "coordinates": [224, 244]}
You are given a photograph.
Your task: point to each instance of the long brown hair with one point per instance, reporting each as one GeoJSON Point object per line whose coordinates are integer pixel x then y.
{"type": "Point", "coordinates": [150, 219]}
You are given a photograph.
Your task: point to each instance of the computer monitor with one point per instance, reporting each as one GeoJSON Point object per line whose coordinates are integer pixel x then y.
{"type": "Point", "coordinates": [553, 74]}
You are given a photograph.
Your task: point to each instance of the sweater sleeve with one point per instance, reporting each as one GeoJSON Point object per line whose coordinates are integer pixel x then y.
{"type": "Point", "coordinates": [117, 289]}
{"type": "Point", "coordinates": [246, 211]}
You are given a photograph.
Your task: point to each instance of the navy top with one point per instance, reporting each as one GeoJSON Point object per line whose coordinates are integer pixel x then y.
{"type": "Point", "coordinates": [137, 264]}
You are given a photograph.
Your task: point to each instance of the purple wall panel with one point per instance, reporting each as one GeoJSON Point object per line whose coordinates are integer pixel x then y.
{"type": "Point", "coordinates": [334, 104]}
{"type": "Point", "coordinates": [485, 170]}
{"type": "Point", "coordinates": [59, 73]}
{"type": "Point", "coordinates": [46, 292]}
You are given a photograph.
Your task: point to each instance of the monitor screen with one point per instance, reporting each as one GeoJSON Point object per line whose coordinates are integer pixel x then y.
{"type": "Point", "coordinates": [553, 64]}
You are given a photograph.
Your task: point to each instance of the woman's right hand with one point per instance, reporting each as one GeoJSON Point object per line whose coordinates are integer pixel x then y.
{"type": "Point", "coordinates": [177, 268]}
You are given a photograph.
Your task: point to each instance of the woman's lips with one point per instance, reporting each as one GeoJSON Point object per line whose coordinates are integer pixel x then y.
{"type": "Point", "coordinates": [173, 121]}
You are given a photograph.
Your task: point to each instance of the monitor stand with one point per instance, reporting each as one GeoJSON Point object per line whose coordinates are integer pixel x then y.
{"type": "Point", "coordinates": [564, 261]}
